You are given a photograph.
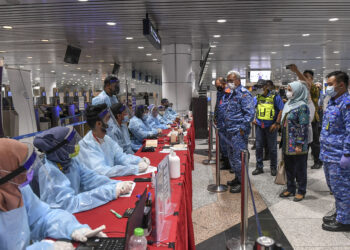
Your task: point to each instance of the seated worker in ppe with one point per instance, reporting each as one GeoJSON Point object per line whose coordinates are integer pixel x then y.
{"type": "Point", "coordinates": [153, 120]}
{"type": "Point", "coordinates": [161, 117]}
{"type": "Point", "coordinates": [169, 113]}
{"type": "Point", "coordinates": [139, 128]}
{"type": "Point", "coordinates": [120, 133]}
{"type": "Point", "coordinates": [24, 218]}
{"type": "Point", "coordinates": [67, 184]}
{"type": "Point", "coordinates": [101, 153]}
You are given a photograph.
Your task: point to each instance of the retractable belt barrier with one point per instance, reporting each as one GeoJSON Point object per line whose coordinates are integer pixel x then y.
{"type": "Point", "coordinates": [20, 137]}
{"type": "Point", "coordinates": [262, 242]}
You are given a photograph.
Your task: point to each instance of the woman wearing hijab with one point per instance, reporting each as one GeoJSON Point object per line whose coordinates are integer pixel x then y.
{"type": "Point", "coordinates": [23, 217]}
{"type": "Point", "coordinates": [64, 182]}
{"type": "Point", "coordinates": [295, 123]}
{"type": "Point", "coordinates": [153, 120]}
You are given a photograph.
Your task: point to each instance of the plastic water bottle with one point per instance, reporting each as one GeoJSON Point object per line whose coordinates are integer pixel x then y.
{"type": "Point", "coordinates": [138, 240]}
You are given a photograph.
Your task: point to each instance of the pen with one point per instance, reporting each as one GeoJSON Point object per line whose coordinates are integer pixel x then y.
{"type": "Point", "coordinates": [116, 214]}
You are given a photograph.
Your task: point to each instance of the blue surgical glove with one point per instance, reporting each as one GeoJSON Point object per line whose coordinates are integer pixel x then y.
{"type": "Point", "coordinates": [345, 162]}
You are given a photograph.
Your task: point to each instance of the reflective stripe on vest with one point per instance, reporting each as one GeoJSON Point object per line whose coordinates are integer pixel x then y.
{"type": "Point", "coordinates": [265, 109]}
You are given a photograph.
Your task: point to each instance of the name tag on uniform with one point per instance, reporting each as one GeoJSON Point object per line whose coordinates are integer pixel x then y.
{"type": "Point", "coordinates": [327, 127]}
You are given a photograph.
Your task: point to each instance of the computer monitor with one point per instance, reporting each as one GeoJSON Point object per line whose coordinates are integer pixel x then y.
{"type": "Point", "coordinates": [43, 93]}
{"type": "Point", "coordinates": [9, 93]}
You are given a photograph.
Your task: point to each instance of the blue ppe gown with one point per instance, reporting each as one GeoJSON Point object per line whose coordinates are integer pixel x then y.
{"type": "Point", "coordinates": [106, 158]}
{"type": "Point", "coordinates": [34, 221]}
{"type": "Point", "coordinates": [154, 122]}
{"type": "Point", "coordinates": [104, 98]}
{"type": "Point", "coordinates": [77, 190]}
{"type": "Point", "coordinates": [120, 134]}
{"type": "Point", "coordinates": [140, 131]}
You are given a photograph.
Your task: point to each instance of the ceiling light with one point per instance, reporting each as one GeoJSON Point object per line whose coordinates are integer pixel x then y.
{"type": "Point", "coordinates": [323, 67]}
{"type": "Point", "coordinates": [337, 64]}
{"type": "Point", "coordinates": [29, 57]}
{"type": "Point", "coordinates": [217, 36]}
{"type": "Point", "coordinates": [336, 52]}
{"type": "Point", "coordinates": [148, 54]}
{"type": "Point", "coordinates": [37, 69]}
{"type": "Point", "coordinates": [273, 52]}
{"type": "Point", "coordinates": [74, 74]}
{"type": "Point", "coordinates": [221, 20]}
{"type": "Point", "coordinates": [140, 47]}
{"type": "Point", "coordinates": [7, 27]}
{"type": "Point", "coordinates": [78, 68]}
{"type": "Point", "coordinates": [21, 66]}
{"type": "Point", "coordinates": [211, 53]}
{"type": "Point", "coordinates": [2, 51]}
{"type": "Point", "coordinates": [102, 61]}
{"type": "Point", "coordinates": [52, 71]}
{"type": "Point", "coordinates": [306, 35]}
{"type": "Point", "coordinates": [89, 70]}
{"type": "Point", "coordinates": [49, 61]}
{"type": "Point", "coordinates": [90, 41]}
{"type": "Point", "coordinates": [304, 61]}
{"type": "Point", "coordinates": [83, 0]}
{"type": "Point", "coordinates": [64, 73]}
{"type": "Point", "coordinates": [334, 19]}
{"type": "Point", "coordinates": [154, 59]}
{"type": "Point", "coordinates": [66, 65]}
{"type": "Point", "coordinates": [213, 46]}
{"type": "Point", "coordinates": [313, 69]}
{"type": "Point", "coordinates": [88, 56]}
{"type": "Point", "coordinates": [111, 23]}
{"type": "Point", "coordinates": [286, 45]}
{"type": "Point", "coordinates": [129, 38]}
{"type": "Point", "coordinates": [44, 40]}
{"type": "Point", "coordinates": [318, 57]}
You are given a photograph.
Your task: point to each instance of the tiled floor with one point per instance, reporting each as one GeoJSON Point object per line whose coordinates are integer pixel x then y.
{"type": "Point", "coordinates": [297, 225]}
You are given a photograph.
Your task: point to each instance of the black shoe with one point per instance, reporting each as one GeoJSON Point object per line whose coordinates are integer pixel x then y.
{"type": "Point", "coordinates": [330, 218]}
{"type": "Point", "coordinates": [234, 182]}
{"type": "Point", "coordinates": [253, 147]}
{"type": "Point", "coordinates": [286, 194]}
{"type": "Point", "coordinates": [224, 167]}
{"type": "Point", "coordinates": [231, 171]}
{"type": "Point", "coordinates": [235, 189]}
{"type": "Point", "coordinates": [273, 172]}
{"type": "Point", "coordinates": [258, 171]}
{"type": "Point", "coordinates": [317, 165]}
{"type": "Point", "coordinates": [336, 226]}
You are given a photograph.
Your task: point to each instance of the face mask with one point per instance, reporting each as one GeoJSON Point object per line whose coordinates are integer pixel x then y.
{"type": "Point", "coordinates": [76, 151]}
{"type": "Point", "coordinates": [161, 113]}
{"type": "Point", "coordinates": [144, 118]}
{"type": "Point", "coordinates": [330, 91]}
{"type": "Point", "coordinates": [260, 91]}
{"type": "Point", "coordinates": [219, 89]}
{"type": "Point", "coordinates": [289, 94]}
{"type": "Point", "coordinates": [232, 86]}
{"type": "Point", "coordinates": [126, 119]}
{"type": "Point", "coordinates": [116, 90]}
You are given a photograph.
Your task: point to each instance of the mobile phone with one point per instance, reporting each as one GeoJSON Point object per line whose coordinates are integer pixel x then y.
{"type": "Point", "coordinates": [142, 179]}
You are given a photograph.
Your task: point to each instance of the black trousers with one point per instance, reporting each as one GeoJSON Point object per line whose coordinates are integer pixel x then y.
{"type": "Point", "coordinates": [315, 145]}
{"type": "Point", "coordinates": [296, 169]}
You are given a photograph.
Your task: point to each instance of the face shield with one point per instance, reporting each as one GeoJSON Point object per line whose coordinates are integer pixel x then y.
{"type": "Point", "coordinates": [31, 164]}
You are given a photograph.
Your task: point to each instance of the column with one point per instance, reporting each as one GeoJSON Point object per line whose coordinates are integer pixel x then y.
{"type": "Point", "coordinates": [176, 75]}
{"type": "Point", "coordinates": [48, 81]}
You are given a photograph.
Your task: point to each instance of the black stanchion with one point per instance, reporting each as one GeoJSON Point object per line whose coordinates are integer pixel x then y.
{"type": "Point", "coordinates": [210, 142]}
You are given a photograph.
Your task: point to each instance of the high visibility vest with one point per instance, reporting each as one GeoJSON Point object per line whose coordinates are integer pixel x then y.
{"type": "Point", "coordinates": [265, 109]}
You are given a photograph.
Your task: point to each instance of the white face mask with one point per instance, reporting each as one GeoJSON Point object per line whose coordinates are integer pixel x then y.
{"type": "Point", "coordinates": [289, 94]}
{"type": "Point", "coordinates": [260, 91]}
{"type": "Point", "coordinates": [330, 91]}
{"type": "Point", "coordinates": [232, 86]}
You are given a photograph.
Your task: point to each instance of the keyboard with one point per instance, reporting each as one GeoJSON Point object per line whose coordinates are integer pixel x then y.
{"type": "Point", "coordinates": [103, 244]}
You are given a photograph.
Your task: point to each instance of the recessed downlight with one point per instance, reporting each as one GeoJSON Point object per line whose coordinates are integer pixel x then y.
{"type": "Point", "coordinates": [111, 23]}
{"type": "Point", "coordinates": [129, 38]}
{"type": "Point", "coordinates": [333, 19]}
{"type": "Point", "coordinates": [286, 45]}
{"type": "Point", "coordinates": [336, 52]}
{"type": "Point", "coordinates": [148, 54]}
{"type": "Point", "coordinates": [221, 20]}
{"type": "Point", "coordinates": [305, 35]}
{"type": "Point", "coordinates": [44, 40]}
{"type": "Point", "coordinates": [140, 47]}
{"type": "Point", "coordinates": [216, 36]}
{"type": "Point", "coordinates": [7, 27]}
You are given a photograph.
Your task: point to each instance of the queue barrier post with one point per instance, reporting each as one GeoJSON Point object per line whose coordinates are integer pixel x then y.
{"type": "Point", "coordinates": [217, 188]}
{"type": "Point", "coordinates": [210, 142]}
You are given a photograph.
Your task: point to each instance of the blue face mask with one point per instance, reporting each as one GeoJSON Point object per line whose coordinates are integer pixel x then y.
{"type": "Point", "coordinates": [126, 119]}
{"type": "Point", "coordinates": [330, 91]}
{"type": "Point", "coordinates": [144, 117]}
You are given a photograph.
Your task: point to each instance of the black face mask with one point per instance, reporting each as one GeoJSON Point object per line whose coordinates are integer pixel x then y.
{"type": "Point", "coordinates": [116, 90]}
{"type": "Point", "coordinates": [219, 89]}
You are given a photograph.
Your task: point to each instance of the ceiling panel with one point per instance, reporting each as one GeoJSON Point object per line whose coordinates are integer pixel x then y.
{"type": "Point", "coordinates": [253, 30]}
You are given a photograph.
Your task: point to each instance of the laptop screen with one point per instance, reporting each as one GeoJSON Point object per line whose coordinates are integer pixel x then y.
{"type": "Point", "coordinates": [136, 218]}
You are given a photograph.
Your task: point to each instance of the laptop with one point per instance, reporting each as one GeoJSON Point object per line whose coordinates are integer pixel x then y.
{"type": "Point", "coordinates": [119, 243]}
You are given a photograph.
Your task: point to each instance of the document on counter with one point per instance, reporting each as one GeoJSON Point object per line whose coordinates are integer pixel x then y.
{"type": "Point", "coordinates": [129, 194]}
{"type": "Point", "coordinates": [149, 170]}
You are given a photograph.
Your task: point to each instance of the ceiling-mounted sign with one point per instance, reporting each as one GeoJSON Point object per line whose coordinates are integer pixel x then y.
{"type": "Point", "coordinates": [151, 33]}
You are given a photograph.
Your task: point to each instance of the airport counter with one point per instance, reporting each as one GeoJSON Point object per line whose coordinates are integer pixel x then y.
{"type": "Point", "coordinates": [181, 235]}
